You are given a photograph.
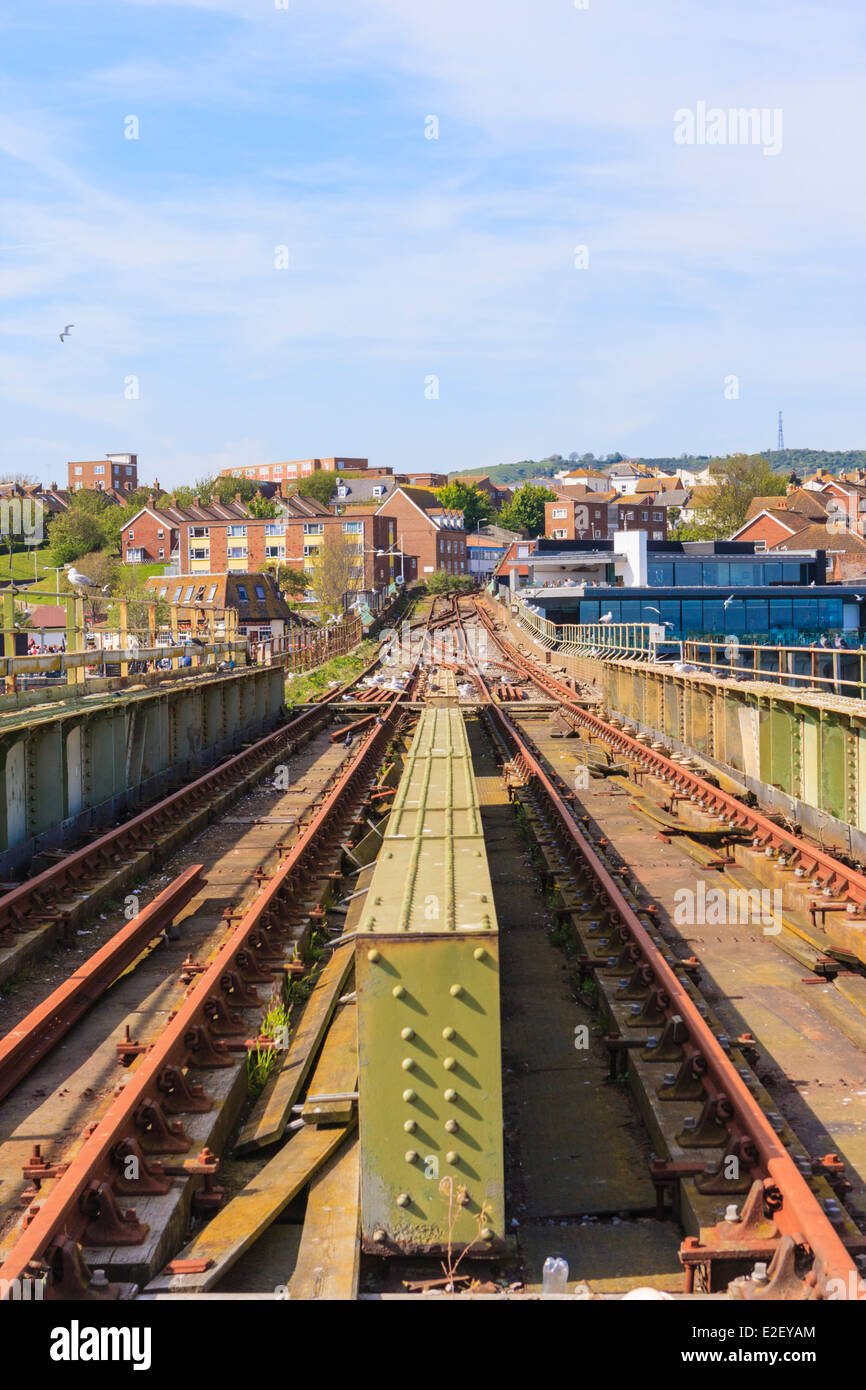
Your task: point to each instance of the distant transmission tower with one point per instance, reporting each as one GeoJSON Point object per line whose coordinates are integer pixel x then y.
{"type": "Point", "coordinates": [780, 442]}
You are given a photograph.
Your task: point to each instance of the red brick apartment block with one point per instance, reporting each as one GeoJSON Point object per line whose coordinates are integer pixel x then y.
{"type": "Point", "coordinates": [118, 471]}
{"type": "Point", "coordinates": [575, 518]}
{"type": "Point", "coordinates": [428, 531]}
{"type": "Point", "coordinates": [294, 470]}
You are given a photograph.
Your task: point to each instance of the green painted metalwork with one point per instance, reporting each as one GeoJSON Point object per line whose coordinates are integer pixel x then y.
{"type": "Point", "coordinates": [427, 978]}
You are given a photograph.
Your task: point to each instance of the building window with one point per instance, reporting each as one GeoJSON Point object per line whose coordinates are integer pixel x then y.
{"type": "Point", "coordinates": [260, 593]}
{"type": "Point", "coordinates": [198, 531]}
{"type": "Point", "coordinates": [314, 528]}
{"type": "Point", "coordinates": [658, 535]}
{"type": "Point", "coordinates": [276, 528]}
{"type": "Point", "coordinates": [274, 552]}
{"type": "Point", "coordinates": [189, 593]}
{"type": "Point", "coordinates": [161, 555]}
{"type": "Point", "coordinates": [160, 535]}
{"type": "Point", "coordinates": [559, 513]}
{"type": "Point", "coordinates": [236, 530]}
{"type": "Point", "coordinates": [242, 593]}
{"type": "Point", "coordinates": [378, 492]}
{"type": "Point", "coordinates": [657, 516]}
{"type": "Point", "coordinates": [99, 468]}
{"type": "Point", "coordinates": [163, 591]}
{"type": "Point", "coordinates": [353, 528]}
{"type": "Point", "coordinates": [79, 471]}
{"type": "Point", "coordinates": [212, 595]}
{"type": "Point", "coordinates": [176, 595]}
{"type": "Point", "coordinates": [236, 552]}
{"type": "Point", "coordinates": [130, 535]}
{"type": "Point", "coordinates": [129, 472]}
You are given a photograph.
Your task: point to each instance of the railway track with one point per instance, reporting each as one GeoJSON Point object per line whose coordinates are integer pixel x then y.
{"type": "Point", "coordinates": [78, 1202]}
{"type": "Point", "coordinates": [807, 1258]}
{"type": "Point", "coordinates": [760, 1218]}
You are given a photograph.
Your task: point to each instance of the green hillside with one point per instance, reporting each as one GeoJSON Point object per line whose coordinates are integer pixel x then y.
{"type": "Point", "coordinates": [800, 461]}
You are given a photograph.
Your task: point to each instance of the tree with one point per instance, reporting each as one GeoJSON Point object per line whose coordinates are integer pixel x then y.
{"type": "Point", "coordinates": [441, 582]}
{"type": "Point", "coordinates": [741, 478]}
{"type": "Point", "coordinates": [86, 526]}
{"type": "Point", "coordinates": [263, 506]}
{"type": "Point", "coordinates": [470, 500]}
{"type": "Point", "coordinates": [336, 571]}
{"type": "Point", "coordinates": [321, 486]}
{"type": "Point", "coordinates": [227, 489]}
{"type": "Point", "coordinates": [288, 580]}
{"type": "Point", "coordinates": [525, 511]}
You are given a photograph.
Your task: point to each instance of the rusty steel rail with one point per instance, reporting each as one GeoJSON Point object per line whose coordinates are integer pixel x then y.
{"type": "Point", "coordinates": [834, 877]}
{"type": "Point", "coordinates": [41, 1029]}
{"type": "Point", "coordinates": [28, 904]}
{"type": "Point", "coordinates": [203, 1031]}
{"type": "Point", "coordinates": [728, 1099]}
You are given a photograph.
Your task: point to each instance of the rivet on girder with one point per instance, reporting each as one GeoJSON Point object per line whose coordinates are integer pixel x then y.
{"type": "Point", "coordinates": [456, 991]}
{"type": "Point", "coordinates": [411, 1155]}
{"type": "Point", "coordinates": [403, 1199]}
{"type": "Point", "coordinates": [379, 1237]}
{"type": "Point", "coordinates": [408, 1063]}
{"type": "Point", "coordinates": [450, 1094]}
{"type": "Point", "coordinates": [480, 953]}
{"type": "Point", "coordinates": [448, 1033]}
{"type": "Point", "coordinates": [410, 1126]}
{"type": "Point", "coordinates": [409, 1095]}
{"type": "Point", "coordinates": [452, 1126]}
{"type": "Point", "coordinates": [374, 956]}
{"type": "Point", "coordinates": [407, 1034]}
{"type": "Point", "coordinates": [398, 991]}
{"type": "Point", "coordinates": [452, 1157]}
{"type": "Point", "coordinates": [450, 1063]}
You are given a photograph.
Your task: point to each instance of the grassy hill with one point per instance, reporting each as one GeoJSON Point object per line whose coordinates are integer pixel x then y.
{"type": "Point", "coordinates": [801, 461]}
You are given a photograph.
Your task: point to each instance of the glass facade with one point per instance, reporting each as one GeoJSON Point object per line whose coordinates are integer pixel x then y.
{"type": "Point", "coordinates": [754, 571]}
{"type": "Point", "coordinates": [769, 615]}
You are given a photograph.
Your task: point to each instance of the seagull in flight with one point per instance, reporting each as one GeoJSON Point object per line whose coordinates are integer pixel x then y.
{"type": "Point", "coordinates": [728, 600]}
{"type": "Point", "coordinates": [65, 333]}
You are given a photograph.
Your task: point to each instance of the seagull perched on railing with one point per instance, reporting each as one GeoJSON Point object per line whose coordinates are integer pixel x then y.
{"type": "Point", "coordinates": [606, 618]}
{"type": "Point", "coordinates": [78, 580]}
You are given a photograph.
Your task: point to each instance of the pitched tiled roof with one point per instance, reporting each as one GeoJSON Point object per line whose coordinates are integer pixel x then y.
{"type": "Point", "coordinates": [234, 590]}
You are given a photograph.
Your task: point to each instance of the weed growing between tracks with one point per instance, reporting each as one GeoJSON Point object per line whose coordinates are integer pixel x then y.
{"type": "Point", "coordinates": [307, 685]}
{"type": "Point", "coordinates": [275, 1023]}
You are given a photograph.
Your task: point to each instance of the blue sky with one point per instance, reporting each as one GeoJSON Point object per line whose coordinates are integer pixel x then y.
{"type": "Point", "coordinates": [304, 127]}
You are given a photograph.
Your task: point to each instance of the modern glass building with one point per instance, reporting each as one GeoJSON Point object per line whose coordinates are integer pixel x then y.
{"type": "Point", "coordinates": [702, 590]}
{"type": "Point", "coordinates": [782, 614]}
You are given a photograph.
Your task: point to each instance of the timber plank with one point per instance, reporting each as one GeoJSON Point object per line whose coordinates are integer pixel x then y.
{"type": "Point", "coordinates": [329, 1256]}
{"type": "Point", "coordinates": [235, 1228]}
{"type": "Point", "coordinates": [336, 1071]}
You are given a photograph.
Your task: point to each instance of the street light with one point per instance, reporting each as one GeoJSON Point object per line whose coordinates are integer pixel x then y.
{"type": "Point", "coordinates": [380, 552]}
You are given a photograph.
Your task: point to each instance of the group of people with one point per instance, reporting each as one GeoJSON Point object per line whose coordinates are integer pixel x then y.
{"type": "Point", "coordinates": [33, 648]}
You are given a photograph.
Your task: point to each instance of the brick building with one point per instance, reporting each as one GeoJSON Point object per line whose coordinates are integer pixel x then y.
{"type": "Point", "coordinates": [422, 479]}
{"type": "Point", "coordinates": [632, 512]}
{"type": "Point", "coordinates": [117, 471]}
{"type": "Point", "coordinates": [435, 536]}
{"type": "Point", "coordinates": [223, 538]}
{"type": "Point", "coordinates": [294, 470]}
{"type": "Point", "coordinates": [571, 518]}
